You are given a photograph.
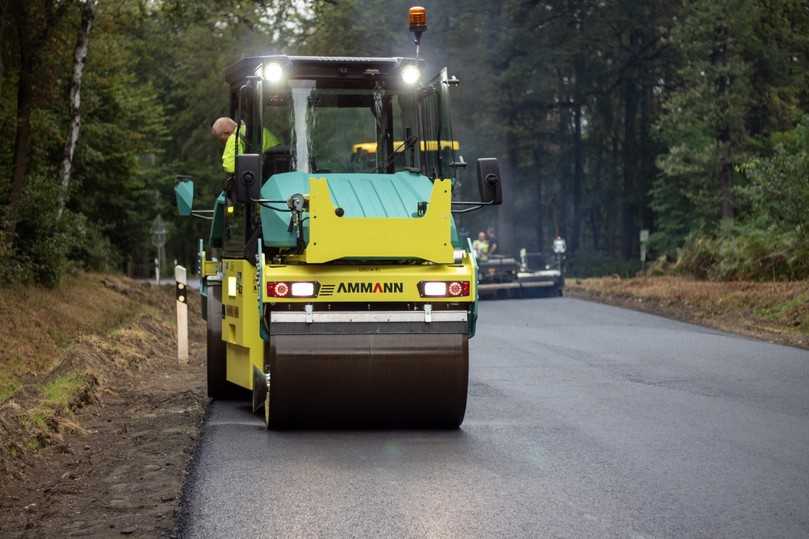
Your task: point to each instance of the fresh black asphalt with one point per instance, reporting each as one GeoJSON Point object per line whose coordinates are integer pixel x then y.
{"type": "Point", "coordinates": [583, 421]}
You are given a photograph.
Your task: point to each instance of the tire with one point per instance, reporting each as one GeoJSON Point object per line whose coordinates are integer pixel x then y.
{"type": "Point", "coordinates": [218, 386]}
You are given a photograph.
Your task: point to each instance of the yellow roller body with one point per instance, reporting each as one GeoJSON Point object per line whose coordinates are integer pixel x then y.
{"type": "Point", "coordinates": [241, 322]}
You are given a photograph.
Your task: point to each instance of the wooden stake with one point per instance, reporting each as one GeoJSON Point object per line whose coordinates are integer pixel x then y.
{"type": "Point", "coordinates": [182, 314]}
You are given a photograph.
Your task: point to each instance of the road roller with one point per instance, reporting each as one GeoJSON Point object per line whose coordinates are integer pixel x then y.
{"type": "Point", "coordinates": [336, 288]}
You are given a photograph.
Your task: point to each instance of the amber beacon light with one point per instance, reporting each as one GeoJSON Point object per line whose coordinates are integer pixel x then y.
{"type": "Point", "coordinates": [417, 16]}
{"type": "Point", "coordinates": [418, 19]}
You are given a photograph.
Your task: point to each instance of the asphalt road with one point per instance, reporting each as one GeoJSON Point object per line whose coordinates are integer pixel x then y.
{"type": "Point", "coordinates": [584, 421]}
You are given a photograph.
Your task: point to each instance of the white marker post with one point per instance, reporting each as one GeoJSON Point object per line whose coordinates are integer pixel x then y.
{"type": "Point", "coordinates": [644, 242]}
{"type": "Point", "coordinates": [182, 314]}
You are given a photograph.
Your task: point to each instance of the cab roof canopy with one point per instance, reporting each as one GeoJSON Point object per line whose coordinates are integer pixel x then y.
{"type": "Point", "coordinates": [353, 71]}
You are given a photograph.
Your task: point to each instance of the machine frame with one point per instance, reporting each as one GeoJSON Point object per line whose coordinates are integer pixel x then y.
{"type": "Point", "coordinates": [370, 266]}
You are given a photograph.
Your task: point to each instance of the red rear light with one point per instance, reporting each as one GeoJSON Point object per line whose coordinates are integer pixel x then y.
{"type": "Point", "coordinates": [297, 289]}
{"type": "Point", "coordinates": [444, 289]}
{"type": "Point", "coordinates": [277, 289]}
{"type": "Point", "coordinates": [458, 288]}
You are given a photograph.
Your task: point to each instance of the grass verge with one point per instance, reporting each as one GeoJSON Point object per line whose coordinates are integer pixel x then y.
{"type": "Point", "coordinates": [9, 384]}
{"type": "Point", "coordinates": [61, 345]}
{"type": "Point", "coordinates": [775, 311]}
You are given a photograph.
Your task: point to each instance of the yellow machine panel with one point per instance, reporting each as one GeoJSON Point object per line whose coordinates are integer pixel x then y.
{"type": "Point", "coordinates": [240, 323]}
{"type": "Point", "coordinates": [365, 283]}
{"type": "Point", "coordinates": [399, 146]}
{"type": "Point", "coordinates": [332, 237]}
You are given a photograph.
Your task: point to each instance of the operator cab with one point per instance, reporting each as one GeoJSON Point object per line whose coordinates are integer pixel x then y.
{"type": "Point", "coordinates": [319, 108]}
{"type": "Point", "coordinates": [306, 115]}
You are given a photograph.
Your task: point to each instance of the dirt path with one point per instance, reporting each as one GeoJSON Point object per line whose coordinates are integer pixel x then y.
{"type": "Point", "coordinates": [113, 461]}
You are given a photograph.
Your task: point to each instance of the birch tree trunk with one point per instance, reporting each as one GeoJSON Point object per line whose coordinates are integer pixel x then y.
{"type": "Point", "coordinates": [79, 59]}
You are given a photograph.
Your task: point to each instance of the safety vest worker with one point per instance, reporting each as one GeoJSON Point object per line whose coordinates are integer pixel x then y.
{"type": "Point", "coordinates": [224, 129]}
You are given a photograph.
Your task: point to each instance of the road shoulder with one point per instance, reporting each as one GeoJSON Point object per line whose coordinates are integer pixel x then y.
{"type": "Point", "coordinates": [774, 312]}
{"type": "Point", "coordinates": [111, 454]}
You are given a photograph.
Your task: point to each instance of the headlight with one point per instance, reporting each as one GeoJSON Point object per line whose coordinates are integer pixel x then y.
{"type": "Point", "coordinates": [273, 72]}
{"type": "Point", "coordinates": [410, 74]}
{"type": "Point", "coordinates": [303, 289]}
{"type": "Point", "coordinates": [435, 289]}
{"type": "Point", "coordinates": [444, 289]}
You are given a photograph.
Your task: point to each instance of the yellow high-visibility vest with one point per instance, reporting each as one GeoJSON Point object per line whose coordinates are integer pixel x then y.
{"type": "Point", "coordinates": [268, 140]}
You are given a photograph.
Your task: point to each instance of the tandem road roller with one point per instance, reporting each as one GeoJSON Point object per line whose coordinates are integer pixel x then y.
{"type": "Point", "coordinates": [337, 289]}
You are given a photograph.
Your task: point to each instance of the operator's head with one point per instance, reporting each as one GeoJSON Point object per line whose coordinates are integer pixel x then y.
{"type": "Point", "coordinates": [222, 128]}
{"type": "Point", "coordinates": [490, 232]}
{"type": "Point", "coordinates": [482, 236]}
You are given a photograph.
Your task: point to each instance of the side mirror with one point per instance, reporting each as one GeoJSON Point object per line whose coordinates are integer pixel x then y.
{"type": "Point", "coordinates": [489, 182]}
{"type": "Point", "coordinates": [184, 191]}
{"type": "Point", "coordinates": [247, 185]}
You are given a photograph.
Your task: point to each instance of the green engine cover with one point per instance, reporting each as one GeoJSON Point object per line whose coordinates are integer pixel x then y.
{"type": "Point", "coordinates": [359, 195]}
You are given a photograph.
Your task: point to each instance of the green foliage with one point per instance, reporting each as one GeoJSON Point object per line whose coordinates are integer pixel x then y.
{"type": "Point", "coordinates": [665, 93]}
{"type": "Point", "coordinates": [741, 91]}
{"type": "Point", "coordinates": [703, 121]}
{"type": "Point", "coordinates": [778, 190]}
{"type": "Point", "coordinates": [584, 265]}
{"type": "Point", "coordinates": [52, 247]}
{"type": "Point", "coordinates": [748, 252]}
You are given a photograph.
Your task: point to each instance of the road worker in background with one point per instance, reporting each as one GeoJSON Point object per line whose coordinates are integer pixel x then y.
{"type": "Point", "coordinates": [481, 246]}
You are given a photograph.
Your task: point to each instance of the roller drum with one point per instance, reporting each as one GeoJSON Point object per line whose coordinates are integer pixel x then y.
{"type": "Point", "coordinates": [368, 380]}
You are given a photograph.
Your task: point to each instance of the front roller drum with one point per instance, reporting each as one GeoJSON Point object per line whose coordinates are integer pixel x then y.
{"type": "Point", "coordinates": [367, 380]}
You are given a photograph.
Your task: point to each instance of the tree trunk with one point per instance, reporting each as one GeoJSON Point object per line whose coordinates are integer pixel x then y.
{"type": "Point", "coordinates": [22, 139]}
{"type": "Point", "coordinates": [79, 58]}
{"type": "Point", "coordinates": [598, 199]}
{"type": "Point", "coordinates": [719, 57]}
{"type": "Point", "coordinates": [578, 179]}
{"type": "Point", "coordinates": [648, 156]}
{"type": "Point", "coordinates": [540, 204]}
{"type": "Point", "coordinates": [629, 226]}
{"type": "Point", "coordinates": [725, 181]}
{"type": "Point", "coordinates": [31, 45]}
{"type": "Point", "coordinates": [613, 200]}
{"type": "Point", "coordinates": [564, 176]}
{"type": "Point", "coordinates": [505, 213]}
{"type": "Point", "coordinates": [3, 10]}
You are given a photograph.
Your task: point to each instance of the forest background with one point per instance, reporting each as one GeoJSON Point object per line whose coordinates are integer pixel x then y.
{"type": "Point", "coordinates": [689, 119]}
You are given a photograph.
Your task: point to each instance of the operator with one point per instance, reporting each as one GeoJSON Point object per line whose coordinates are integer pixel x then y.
{"type": "Point", "coordinates": [224, 130]}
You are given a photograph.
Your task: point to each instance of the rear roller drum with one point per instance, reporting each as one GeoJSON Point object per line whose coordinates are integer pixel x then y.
{"type": "Point", "coordinates": [368, 380]}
